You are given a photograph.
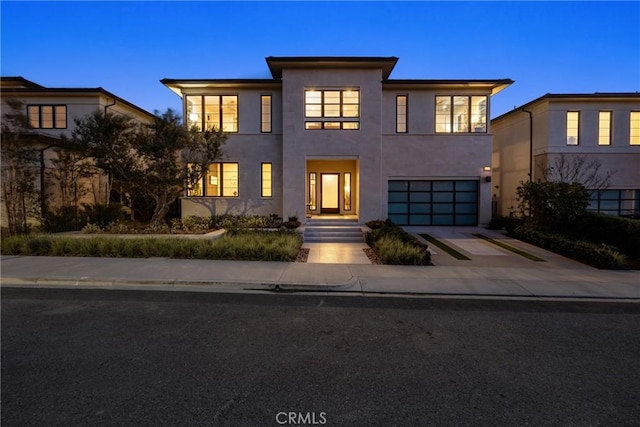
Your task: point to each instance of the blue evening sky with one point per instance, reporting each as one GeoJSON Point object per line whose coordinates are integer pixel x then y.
{"type": "Point", "coordinates": [127, 47]}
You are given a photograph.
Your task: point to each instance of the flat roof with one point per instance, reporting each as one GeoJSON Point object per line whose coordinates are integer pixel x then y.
{"type": "Point", "coordinates": [595, 96]}
{"type": "Point", "coordinates": [278, 63]}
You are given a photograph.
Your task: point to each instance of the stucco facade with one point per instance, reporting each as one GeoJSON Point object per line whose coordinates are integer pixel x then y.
{"type": "Point", "coordinates": [532, 137]}
{"type": "Point", "coordinates": [339, 144]}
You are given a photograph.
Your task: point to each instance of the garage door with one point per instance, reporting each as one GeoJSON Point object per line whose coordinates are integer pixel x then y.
{"type": "Point", "coordinates": [417, 202]}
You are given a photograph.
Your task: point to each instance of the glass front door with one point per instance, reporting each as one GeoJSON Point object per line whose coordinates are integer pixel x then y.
{"type": "Point", "coordinates": [330, 202]}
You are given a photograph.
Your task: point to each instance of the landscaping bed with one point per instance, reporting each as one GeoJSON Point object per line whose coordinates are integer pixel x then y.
{"type": "Point", "coordinates": [282, 245]}
{"type": "Point", "coordinates": [393, 245]}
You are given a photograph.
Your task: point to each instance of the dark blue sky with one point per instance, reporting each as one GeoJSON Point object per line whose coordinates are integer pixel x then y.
{"type": "Point", "coordinates": [127, 47]}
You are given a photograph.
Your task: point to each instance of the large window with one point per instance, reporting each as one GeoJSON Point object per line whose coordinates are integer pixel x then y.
{"type": "Point", "coordinates": [266, 180]}
{"type": "Point", "coordinates": [340, 107]}
{"type": "Point", "coordinates": [213, 112]}
{"type": "Point", "coordinates": [604, 128]}
{"type": "Point", "coordinates": [615, 202]}
{"type": "Point", "coordinates": [573, 126]}
{"type": "Point", "coordinates": [265, 113]}
{"type": "Point", "coordinates": [461, 114]}
{"type": "Point", "coordinates": [401, 113]}
{"type": "Point", "coordinates": [221, 180]}
{"type": "Point", "coordinates": [634, 128]}
{"type": "Point", "coordinates": [47, 116]}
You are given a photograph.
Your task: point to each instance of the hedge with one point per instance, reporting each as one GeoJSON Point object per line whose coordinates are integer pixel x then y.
{"type": "Point", "coordinates": [597, 255]}
{"type": "Point", "coordinates": [395, 246]}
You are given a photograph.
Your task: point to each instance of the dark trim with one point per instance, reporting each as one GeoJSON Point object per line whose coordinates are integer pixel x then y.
{"type": "Point", "coordinates": [168, 81]}
{"type": "Point", "coordinates": [21, 80]}
{"type": "Point", "coordinates": [277, 63]}
{"type": "Point", "coordinates": [315, 176]}
{"type": "Point", "coordinates": [344, 182]}
{"type": "Point", "coordinates": [329, 210]}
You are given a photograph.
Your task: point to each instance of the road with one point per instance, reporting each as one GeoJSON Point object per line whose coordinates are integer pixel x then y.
{"type": "Point", "coordinates": [92, 357]}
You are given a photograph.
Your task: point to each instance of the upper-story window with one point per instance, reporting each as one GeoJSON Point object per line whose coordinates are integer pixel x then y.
{"type": "Point", "coordinates": [213, 112]}
{"type": "Point", "coordinates": [47, 116]}
{"type": "Point", "coordinates": [265, 113]}
{"type": "Point", "coordinates": [401, 113]}
{"type": "Point", "coordinates": [604, 128]}
{"type": "Point", "coordinates": [634, 128]}
{"type": "Point", "coordinates": [339, 106]}
{"type": "Point", "coordinates": [461, 114]}
{"type": "Point", "coordinates": [573, 126]}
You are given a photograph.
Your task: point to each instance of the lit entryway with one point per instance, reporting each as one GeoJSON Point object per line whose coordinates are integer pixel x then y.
{"type": "Point", "coordinates": [337, 253]}
{"type": "Point", "coordinates": [330, 193]}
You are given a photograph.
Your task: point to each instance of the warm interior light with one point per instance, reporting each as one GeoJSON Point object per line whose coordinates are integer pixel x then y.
{"type": "Point", "coordinates": [487, 168]}
{"type": "Point", "coordinates": [193, 117]}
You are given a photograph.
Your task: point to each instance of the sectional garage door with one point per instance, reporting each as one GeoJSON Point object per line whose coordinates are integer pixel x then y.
{"type": "Point", "coordinates": [418, 202]}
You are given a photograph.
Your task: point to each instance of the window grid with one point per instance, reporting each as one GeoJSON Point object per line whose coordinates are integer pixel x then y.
{"type": "Point", "coordinates": [401, 113]}
{"type": "Point", "coordinates": [265, 113]}
{"type": "Point", "coordinates": [604, 128]}
{"type": "Point", "coordinates": [220, 180]}
{"type": "Point", "coordinates": [615, 201]}
{"type": "Point", "coordinates": [461, 114]}
{"type": "Point", "coordinates": [337, 105]}
{"type": "Point", "coordinates": [212, 112]}
{"type": "Point", "coordinates": [47, 116]}
{"type": "Point", "coordinates": [573, 127]}
{"type": "Point", "coordinates": [634, 128]}
{"type": "Point", "coordinates": [419, 202]}
{"type": "Point", "coordinates": [267, 180]}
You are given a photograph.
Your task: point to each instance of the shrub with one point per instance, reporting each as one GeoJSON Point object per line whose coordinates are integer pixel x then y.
{"type": "Point", "coordinates": [623, 233]}
{"type": "Point", "coordinates": [292, 223]}
{"type": "Point", "coordinates": [394, 245]}
{"type": "Point", "coordinates": [92, 229]}
{"type": "Point", "coordinates": [596, 255]}
{"type": "Point", "coordinates": [375, 224]}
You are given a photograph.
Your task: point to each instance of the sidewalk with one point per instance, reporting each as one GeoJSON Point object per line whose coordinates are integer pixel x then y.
{"type": "Point", "coordinates": [533, 281]}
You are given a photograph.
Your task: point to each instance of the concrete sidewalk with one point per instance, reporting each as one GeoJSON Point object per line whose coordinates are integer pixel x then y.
{"type": "Point", "coordinates": [573, 280]}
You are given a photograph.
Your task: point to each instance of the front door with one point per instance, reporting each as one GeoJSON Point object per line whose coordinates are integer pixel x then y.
{"type": "Point", "coordinates": [330, 193]}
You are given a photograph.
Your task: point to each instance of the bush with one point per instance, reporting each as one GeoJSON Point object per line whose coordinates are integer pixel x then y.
{"type": "Point", "coordinates": [623, 233]}
{"type": "Point", "coordinates": [279, 245]}
{"type": "Point", "coordinates": [292, 223]}
{"type": "Point", "coordinates": [395, 246]}
{"type": "Point", "coordinates": [596, 255]}
{"type": "Point", "coordinates": [375, 224]}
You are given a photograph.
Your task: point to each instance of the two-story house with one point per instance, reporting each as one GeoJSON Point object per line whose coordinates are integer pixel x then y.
{"type": "Point", "coordinates": [599, 128]}
{"type": "Point", "coordinates": [51, 113]}
{"type": "Point", "coordinates": [337, 136]}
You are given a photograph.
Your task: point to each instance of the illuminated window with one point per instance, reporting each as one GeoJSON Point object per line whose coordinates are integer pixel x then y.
{"type": "Point", "coordinates": [347, 191]}
{"type": "Point", "coordinates": [634, 128]}
{"type": "Point", "coordinates": [265, 113]}
{"type": "Point", "coordinates": [312, 191]}
{"type": "Point", "coordinates": [47, 116]}
{"type": "Point", "coordinates": [401, 113]}
{"type": "Point", "coordinates": [266, 180]}
{"type": "Point", "coordinates": [604, 128]}
{"type": "Point", "coordinates": [573, 124]}
{"type": "Point", "coordinates": [213, 112]}
{"type": "Point", "coordinates": [333, 104]}
{"type": "Point", "coordinates": [220, 180]}
{"type": "Point", "coordinates": [461, 114]}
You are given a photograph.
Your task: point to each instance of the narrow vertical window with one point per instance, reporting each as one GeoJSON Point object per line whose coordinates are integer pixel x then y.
{"type": "Point", "coordinates": [478, 114]}
{"type": "Point", "coordinates": [573, 124]}
{"type": "Point", "coordinates": [443, 114]}
{"type": "Point", "coordinates": [46, 117]}
{"type": "Point", "coordinates": [265, 113]}
{"type": "Point", "coordinates": [347, 191]}
{"type": "Point", "coordinates": [230, 180]}
{"type": "Point", "coordinates": [266, 180]}
{"type": "Point", "coordinates": [194, 111]}
{"type": "Point", "coordinates": [312, 191]}
{"type": "Point", "coordinates": [604, 128]}
{"type": "Point", "coordinates": [33, 111]}
{"type": "Point", "coordinates": [634, 128]}
{"type": "Point", "coordinates": [401, 113]}
{"type": "Point", "coordinates": [60, 116]}
{"type": "Point", "coordinates": [461, 114]}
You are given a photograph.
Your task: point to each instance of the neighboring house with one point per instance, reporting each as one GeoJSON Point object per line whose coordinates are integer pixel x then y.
{"type": "Point", "coordinates": [601, 127]}
{"type": "Point", "coordinates": [51, 113]}
{"type": "Point", "coordinates": [337, 136]}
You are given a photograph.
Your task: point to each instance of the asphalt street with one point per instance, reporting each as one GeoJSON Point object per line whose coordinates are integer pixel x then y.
{"type": "Point", "coordinates": [96, 357]}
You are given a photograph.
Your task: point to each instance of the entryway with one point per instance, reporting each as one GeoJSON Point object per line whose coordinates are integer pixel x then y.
{"type": "Point", "coordinates": [332, 187]}
{"type": "Point", "coordinates": [330, 203]}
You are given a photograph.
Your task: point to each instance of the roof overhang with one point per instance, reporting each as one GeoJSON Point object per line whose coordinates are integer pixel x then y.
{"type": "Point", "coordinates": [494, 86]}
{"type": "Point", "coordinates": [178, 86]}
{"type": "Point", "coordinates": [278, 63]}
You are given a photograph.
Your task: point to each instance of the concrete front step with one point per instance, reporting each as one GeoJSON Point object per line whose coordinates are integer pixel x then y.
{"type": "Point", "coordinates": [333, 232]}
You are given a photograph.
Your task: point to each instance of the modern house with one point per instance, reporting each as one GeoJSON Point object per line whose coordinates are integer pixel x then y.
{"type": "Point", "coordinates": [336, 136]}
{"type": "Point", "coordinates": [51, 113]}
{"type": "Point", "coordinates": [599, 128]}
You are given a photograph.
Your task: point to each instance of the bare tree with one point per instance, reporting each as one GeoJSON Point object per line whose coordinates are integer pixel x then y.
{"type": "Point", "coordinates": [577, 169]}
